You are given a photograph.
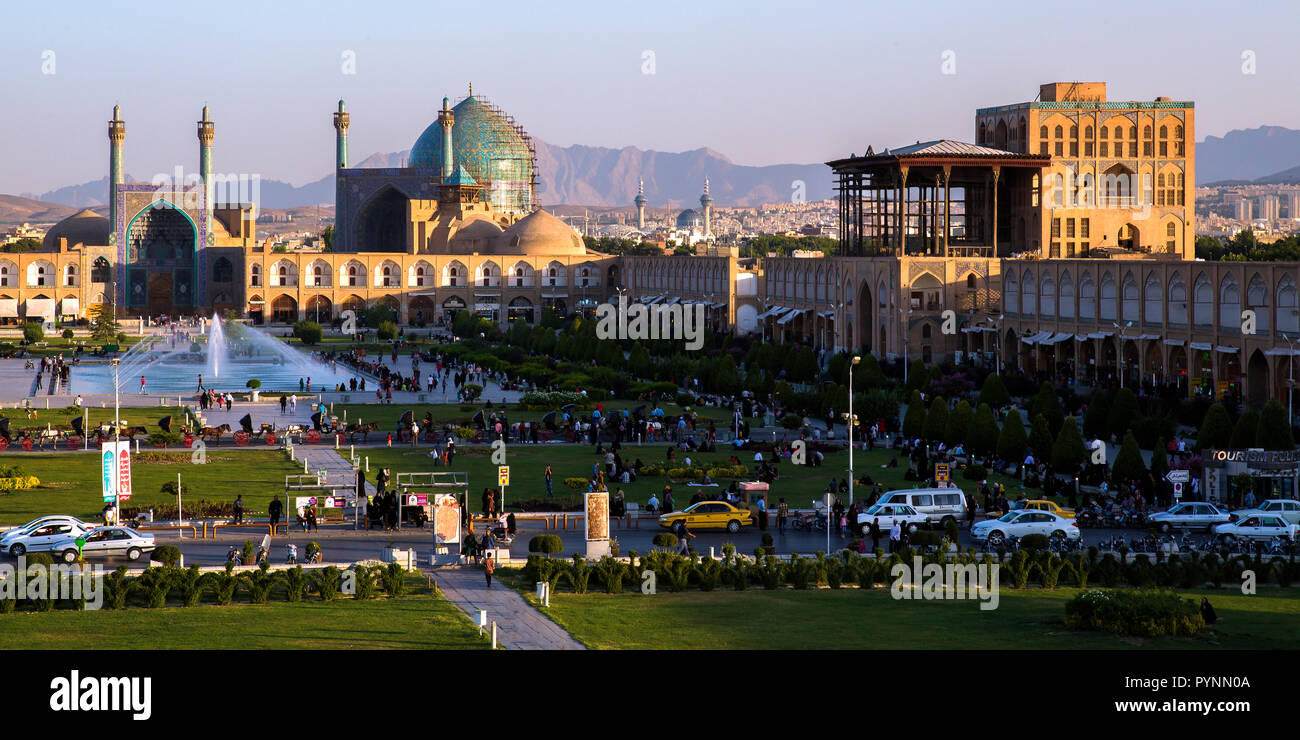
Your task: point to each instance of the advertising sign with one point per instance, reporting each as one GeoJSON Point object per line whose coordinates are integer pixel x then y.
{"type": "Point", "coordinates": [109, 465]}
{"type": "Point", "coordinates": [124, 471]}
{"type": "Point", "coordinates": [446, 519]}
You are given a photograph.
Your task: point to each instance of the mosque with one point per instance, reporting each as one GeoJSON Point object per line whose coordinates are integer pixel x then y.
{"type": "Point", "coordinates": [458, 228]}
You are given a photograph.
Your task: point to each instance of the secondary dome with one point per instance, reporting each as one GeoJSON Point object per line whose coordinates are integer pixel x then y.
{"type": "Point", "coordinates": [84, 227]}
{"type": "Point", "coordinates": [540, 233]}
{"type": "Point", "coordinates": [477, 235]}
{"type": "Point", "coordinates": [491, 149]}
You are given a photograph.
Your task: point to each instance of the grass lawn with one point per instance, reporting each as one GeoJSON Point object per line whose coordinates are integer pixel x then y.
{"type": "Point", "coordinates": [799, 485]}
{"type": "Point", "coordinates": [411, 622]}
{"type": "Point", "coordinates": [852, 619]}
{"type": "Point", "coordinates": [60, 417]}
{"type": "Point", "coordinates": [70, 482]}
{"type": "Point", "coordinates": [55, 344]}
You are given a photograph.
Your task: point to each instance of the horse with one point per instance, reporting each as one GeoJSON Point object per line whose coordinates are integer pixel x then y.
{"type": "Point", "coordinates": [363, 429]}
{"type": "Point", "coordinates": [214, 433]}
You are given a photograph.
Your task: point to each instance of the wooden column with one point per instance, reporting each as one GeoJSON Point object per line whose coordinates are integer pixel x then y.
{"type": "Point", "coordinates": [997, 173]}
{"type": "Point", "coordinates": [902, 213]}
{"type": "Point", "coordinates": [947, 208]}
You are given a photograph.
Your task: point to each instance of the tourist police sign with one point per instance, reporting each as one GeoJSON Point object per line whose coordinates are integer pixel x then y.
{"type": "Point", "coordinates": [503, 475]}
{"type": "Point", "coordinates": [941, 472]}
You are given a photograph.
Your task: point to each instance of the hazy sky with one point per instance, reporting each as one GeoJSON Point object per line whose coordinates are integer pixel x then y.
{"type": "Point", "coordinates": [760, 82]}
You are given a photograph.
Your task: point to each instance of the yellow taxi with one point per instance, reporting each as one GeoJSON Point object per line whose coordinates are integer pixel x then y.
{"type": "Point", "coordinates": [709, 515]}
{"type": "Point", "coordinates": [1048, 506]}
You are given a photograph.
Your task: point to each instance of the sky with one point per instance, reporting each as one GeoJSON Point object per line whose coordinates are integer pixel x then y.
{"type": "Point", "coordinates": [760, 82]}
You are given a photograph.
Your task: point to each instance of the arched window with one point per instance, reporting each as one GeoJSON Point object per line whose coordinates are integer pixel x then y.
{"type": "Point", "coordinates": [101, 271]}
{"type": "Point", "coordinates": [223, 271]}
{"type": "Point", "coordinates": [70, 276]}
{"type": "Point", "coordinates": [255, 275]}
{"type": "Point", "coordinates": [318, 276]}
{"type": "Point", "coordinates": [1229, 304]}
{"type": "Point", "coordinates": [1203, 301]}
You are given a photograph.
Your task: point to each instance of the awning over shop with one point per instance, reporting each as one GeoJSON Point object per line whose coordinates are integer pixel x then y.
{"type": "Point", "coordinates": [774, 310]}
{"type": "Point", "coordinates": [1271, 352]}
{"type": "Point", "coordinates": [69, 307]}
{"type": "Point", "coordinates": [1226, 350]}
{"type": "Point", "coordinates": [794, 313]}
{"type": "Point", "coordinates": [1149, 337]}
{"type": "Point", "coordinates": [8, 308]}
{"type": "Point", "coordinates": [1203, 346]}
{"type": "Point", "coordinates": [1175, 342]}
{"type": "Point", "coordinates": [826, 314]}
{"type": "Point", "coordinates": [719, 304]}
{"type": "Point", "coordinates": [1060, 337]}
{"type": "Point", "coordinates": [40, 307]}
{"type": "Point", "coordinates": [673, 301]}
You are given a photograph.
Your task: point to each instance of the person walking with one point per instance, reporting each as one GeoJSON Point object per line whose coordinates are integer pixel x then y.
{"type": "Point", "coordinates": [782, 514]}
{"type": "Point", "coordinates": [239, 509]}
{"type": "Point", "coordinates": [311, 518]}
{"type": "Point", "coordinates": [284, 405]}
{"type": "Point", "coordinates": [895, 537]}
{"type": "Point", "coordinates": [549, 476]}
{"type": "Point", "coordinates": [489, 567]}
{"type": "Point", "coordinates": [875, 534]}
{"type": "Point", "coordinates": [762, 513]}
{"type": "Point", "coordinates": [142, 385]}
{"type": "Point", "coordinates": [684, 537]}
{"type": "Point", "coordinates": [970, 511]}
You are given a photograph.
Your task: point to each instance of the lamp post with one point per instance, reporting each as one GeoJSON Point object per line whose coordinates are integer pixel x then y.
{"type": "Point", "coordinates": [852, 420]}
{"type": "Point", "coordinates": [1290, 383]}
{"type": "Point", "coordinates": [117, 430]}
{"type": "Point", "coordinates": [906, 315]}
{"type": "Point", "coordinates": [1120, 358]}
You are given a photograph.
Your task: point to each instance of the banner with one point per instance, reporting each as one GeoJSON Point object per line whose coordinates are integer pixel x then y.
{"type": "Point", "coordinates": [108, 455]}
{"type": "Point", "coordinates": [123, 471]}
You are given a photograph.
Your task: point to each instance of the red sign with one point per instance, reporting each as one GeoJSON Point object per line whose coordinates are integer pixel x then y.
{"type": "Point", "coordinates": [124, 475]}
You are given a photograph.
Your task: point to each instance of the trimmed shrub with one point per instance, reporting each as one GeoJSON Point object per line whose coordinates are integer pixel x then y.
{"type": "Point", "coordinates": [1034, 542]}
{"type": "Point", "coordinates": [665, 539]}
{"type": "Point", "coordinates": [169, 555]}
{"type": "Point", "coordinates": [546, 544]}
{"type": "Point", "coordinates": [1144, 613]}
{"type": "Point", "coordinates": [975, 472]}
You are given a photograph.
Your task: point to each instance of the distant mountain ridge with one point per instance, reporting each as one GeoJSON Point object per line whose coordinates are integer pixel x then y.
{"type": "Point", "coordinates": [1255, 155]}
{"type": "Point", "coordinates": [573, 175]}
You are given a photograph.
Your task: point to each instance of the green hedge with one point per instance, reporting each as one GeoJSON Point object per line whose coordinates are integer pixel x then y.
{"type": "Point", "coordinates": [1141, 613]}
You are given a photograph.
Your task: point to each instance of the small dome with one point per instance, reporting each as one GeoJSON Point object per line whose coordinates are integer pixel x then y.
{"type": "Point", "coordinates": [688, 218]}
{"type": "Point", "coordinates": [84, 227]}
{"type": "Point", "coordinates": [475, 235]}
{"type": "Point", "coordinates": [540, 233]}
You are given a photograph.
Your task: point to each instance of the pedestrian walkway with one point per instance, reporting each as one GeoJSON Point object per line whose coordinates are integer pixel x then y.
{"type": "Point", "coordinates": [519, 625]}
{"type": "Point", "coordinates": [336, 467]}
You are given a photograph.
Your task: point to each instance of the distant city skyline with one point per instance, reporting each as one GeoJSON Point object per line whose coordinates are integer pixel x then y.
{"type": "Point", "coordinates": [767, 84]}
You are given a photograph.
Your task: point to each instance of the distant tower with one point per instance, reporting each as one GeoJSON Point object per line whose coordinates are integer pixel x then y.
{"type": "Point", "coordinates": [116, 137]}
{"type": "Point", "coordinates": [706, 201]}
{"type": "Point", "coordinates": [207, 131]}
{"type": "Point", "coordinates": [341, 121]}
{"type": "Point", "coordinates": [446, 119]}
{"type": "Point", "coordinates": [640, 201]}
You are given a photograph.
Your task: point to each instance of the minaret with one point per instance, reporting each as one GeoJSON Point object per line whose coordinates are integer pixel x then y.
{"type": "Point", "coordinates": [341, 121]}
{"type": "Point", "coordinates": [706, 202]}
{"type": "Point", "coordinates": [207, 130]}
{"type": "Point", "coordinates": [116, 137]}
{"type": "Point", "coordinates": [447, 119]}
{"type": "Point", "coordinates": [640, 205]}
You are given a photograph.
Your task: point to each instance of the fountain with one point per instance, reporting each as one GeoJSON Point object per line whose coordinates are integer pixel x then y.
{"type": "Point", "coordinates": [227, 357]}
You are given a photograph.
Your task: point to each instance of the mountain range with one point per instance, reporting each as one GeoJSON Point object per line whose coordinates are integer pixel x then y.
{"type": "Point", "coordinates": [607, 177]}
{"type": "Point", "coordinates": [577, 175]}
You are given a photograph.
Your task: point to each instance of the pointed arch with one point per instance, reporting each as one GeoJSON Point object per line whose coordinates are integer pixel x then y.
{"type": "Point", "coordinates": [1229, 303]}
{"type": "Point", "coordinates": [1107, 297]}
{"type": "Point", "coordinates": [1288, 319]}
{"type": "Point", "coordinates": [420, 275]}
{"type": "Point", "coordinates": [352, 274]}
{"type": "Point", "coordinates": [1066, 296]}
{"type": "Point", "coordinates": [1177, 300]}
{"type": "Point", "coordinates": [1087, 297]}
{"type": "Point", "coordinates": [455, 274]}
{"type": "Point", "coordinates": [1257, 300]}
{"type": "Point", "coordinates": [319, 274]}
{"type": "Point", "coordinates": [1203, 301]}
{"type": "Point", "coordinates": [521, 275]}
{"type": "Point", "coordinates": [1153, 299]}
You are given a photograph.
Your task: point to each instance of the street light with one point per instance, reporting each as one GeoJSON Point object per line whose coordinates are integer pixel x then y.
{"type": "Point", "coordinates": [905, 316]}
{"type": "Point", "coordinates": [1290, 383]}
{"type": "Point", "coordinates": [117, 430]}
{"type": "Point", "coordinates": [1127, 324]}
{"type": "Point", "coordinates": [852, 421]}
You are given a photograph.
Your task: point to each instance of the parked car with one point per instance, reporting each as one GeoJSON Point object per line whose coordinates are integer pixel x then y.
{"type": "Point", "coordinates": [1190, 515]}
{"type": "Point", "coordinates": [907, 517]}
{"type": "Point", "coordinates": [9, 535]}
{"type": "Point", "coordinates": [937, 505]}
{"type": "Point", "coordinates": [1262, 527]}
{"type": "Point", "coordinates": [1041, 505]}
{"type": "Point", "coordinates": [709, 515]}
{"type": "Point", "coordinates": [105, 542]}
{"type": "Point", "coordinates": [1020, 523]}
{"type": "Point", "coordinates": [1283, 507]}
{"type": "Point", "coordinates": [42, 537]}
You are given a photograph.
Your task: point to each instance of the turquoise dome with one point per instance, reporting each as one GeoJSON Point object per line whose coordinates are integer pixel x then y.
{"type": "Point", "coordinates": [489, 149]}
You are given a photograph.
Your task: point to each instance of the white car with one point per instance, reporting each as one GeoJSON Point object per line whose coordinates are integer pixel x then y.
{"type": "Point", "coordinates": [907, 517]}
{"type": "Point", "coordinates": [9, 535]}
{"type": "Point", "coordinates": [1261, 527]}
{"type": "Point", "coordinates": [1020, 523]}
{"type": "Point", "coordinates": [1283, 507]}
{"type": "Point", "coordinates": [42, 536]}
{"type": "Point", "coordinates": [105, 542]}
{"type": "Point", "coordinates": [1190, 515]}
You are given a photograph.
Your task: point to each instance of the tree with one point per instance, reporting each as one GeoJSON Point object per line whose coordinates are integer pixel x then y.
{"type": "Point", "coordinates": [994, 392]}
{"type": "Point", "coordinates": [1159, 459]}
{"type": "Point", "coordinates": [914, 418]}
{"type": "Point", "coordinates": [1069, 452]}
{"type": "Point", "coordinates": [959, 422]}
{"type": "Point", "coordinates": [982, 439]}
{"type": "Point", "coordinates": [726, 377]}
{"type": "Point", "coordinates": [1012, 441]}
{"type": "Point", "coordinates": [918, 375]}
{"type": "Point", "coordinates": [639, 361]}
{"type": "Point", "coordinates": [1048, 405]}
{"type": "Point", "coordinates": [386, 330]}
{"type": "Point", "coordinates": [1122, 412]}
{"type": "Point", "coordinates": [1040, 438]}
{"type": "Point", "coordinates": [33, 332]}
{"type": "Point", "coordinates": [1096, 420]}
{"type": "Point", "coordinates": [1246, 430]}
{"type": "Point", "coordinates": [308, 332]}
{"type": "Point", "coordinates": [1128, 463]}
{"type": "Point", "coordinates": [936, 422]}
{"type": "Point", "coordinates": [327, 236]}
{"type": "Point", "coordinates": [1216, 429]}
{"type": "Point", "coordinates": [103, 322]}
{"type": "Point", "coordinates": [1274, 428]}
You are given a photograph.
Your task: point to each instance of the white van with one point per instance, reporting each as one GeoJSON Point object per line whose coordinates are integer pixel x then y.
{"type": "Point", "coordinates": [937, 504]}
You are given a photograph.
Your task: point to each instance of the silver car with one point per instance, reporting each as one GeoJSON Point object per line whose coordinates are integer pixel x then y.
{"type": "Point", "coordinates": [42, 537]}
{"type": "Point", "coordinates": [1283, 507]}
{"type": "Point", "coordinates": [105, 542]}
{"type": "Point", "coordinates": [1190, 515]}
